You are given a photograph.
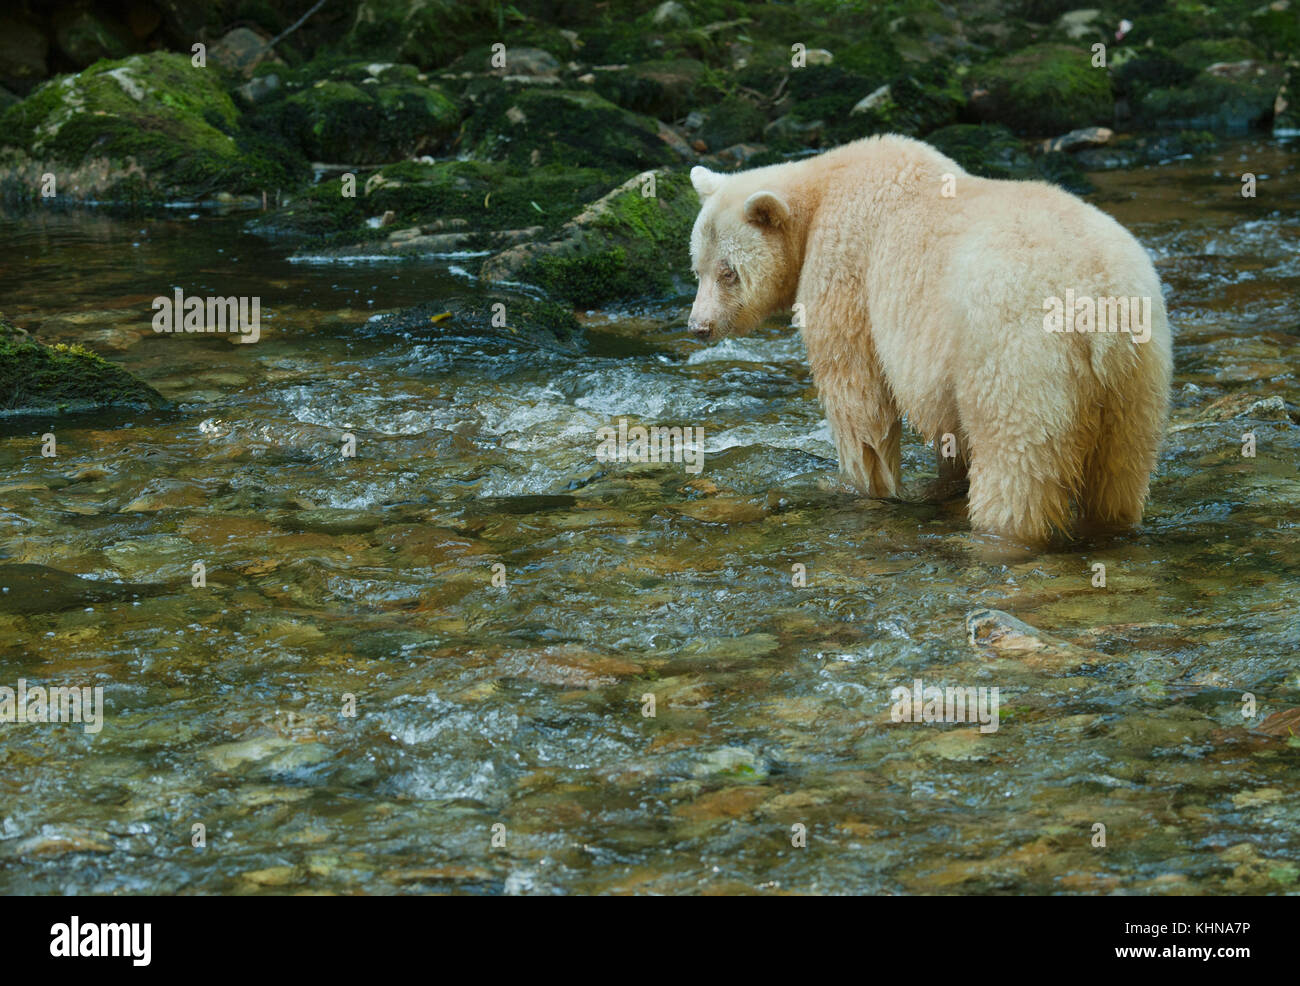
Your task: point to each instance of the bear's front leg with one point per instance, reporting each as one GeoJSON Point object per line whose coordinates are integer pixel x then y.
{"type": "Point", "coordinates": [858, 402]}
{"type": "Point", "coordinates": [868, 434]}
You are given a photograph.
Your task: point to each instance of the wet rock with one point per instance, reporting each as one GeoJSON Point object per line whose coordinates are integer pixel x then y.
{"type": "Point", "coordinates": [1254, 873]}
{"type": "Point", "coordinates": [1078, 139]}
{"type": "Point", "coordinates": [1077, 24]}
{"type": "Point", "coordinates": [240, 51]}
{"type": "Point", "coordinates": [527, 61]}
{"type": "Point", "coordinates": [38, 378]}
{"type": "Point", "coordinates": [1042, 89]}
{"type": "Point", "coordinates": [525, 320]}
{"type": "Point", "coordinates": [1285, 723]}
{"type": "Point", "coordinates": [732, 802]}
{"type": "Point", "coordinates": [1245, 405]}
{"type": "Point", "coordinates": [60, 840]}
{"type": "Point", "coordinates": [749, 647]}
{"type": "Point", "coordinates": [733, 762]}
{"type": "Point", "coordinates": [956, 744]}
{"type": "Point", "coordinates": [872, 100]}
{"type": "Point", "coordinates": [1003, 635]}
{"type": "Point", "coordinates": [570, 666]}
{"type": "Point", "coordinates": [271, 876]}
{"type": "Point", "coordinates": [259, 89]}
{"type": "Point", "coordinates": [627, 244]}
{"type": "Point", "coordinates": [41, 589]}
{"type": "Point", "coordinates": [450, 873]}
{"type": "Point", "coordinates": [790, 129]}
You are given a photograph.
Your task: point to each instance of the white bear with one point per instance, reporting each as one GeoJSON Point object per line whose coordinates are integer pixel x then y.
{"type": "Point", "coordinates": [1011, 316]}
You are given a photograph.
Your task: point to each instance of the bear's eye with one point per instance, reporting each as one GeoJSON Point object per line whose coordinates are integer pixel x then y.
{"type": "Point", "coordinates": [726, 273]}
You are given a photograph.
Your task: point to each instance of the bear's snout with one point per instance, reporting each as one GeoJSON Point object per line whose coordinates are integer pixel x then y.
{"type": "Point", "coordinates": [701, 329]}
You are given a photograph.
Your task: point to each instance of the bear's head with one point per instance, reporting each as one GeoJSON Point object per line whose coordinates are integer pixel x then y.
{"type": "Point", "coordinates": [741, 252]}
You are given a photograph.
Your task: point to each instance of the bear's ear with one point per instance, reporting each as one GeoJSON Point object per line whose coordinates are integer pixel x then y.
{"type": "Point", "coordinates": [767, 209]}
{"type": "Point", "coordinates": [706, 182]}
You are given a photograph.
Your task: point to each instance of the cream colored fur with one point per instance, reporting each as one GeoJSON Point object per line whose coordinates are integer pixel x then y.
{"type": "Point", "coordinates": [931, 307]}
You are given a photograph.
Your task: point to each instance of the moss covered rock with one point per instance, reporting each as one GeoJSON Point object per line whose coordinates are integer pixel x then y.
{"type": "Point", "coordinates": [1227, 97]}
{"type": "Point", "coordinates": [666, 89]}
{"type": "Point", "coordinates": [629, 244]}
{"type": "Point", "coordinates": [1043, 90]}
{"type": "Point", "coordinates": [481, 196]}
{"type": "Point", "coordinates": [39, 378]}
{"type": "Point", "coordinates": [510, 318]}
{"type": "Point", "coordinates": [732, 121]}
{"type": "Point", "coordinates": [540, 126]}
{"type": "Point", "coordinates": [368, 121]}
{"type": "Point", "coordinates": [149, 127]}
{"type": "Point", "coordinates": [993, 151]}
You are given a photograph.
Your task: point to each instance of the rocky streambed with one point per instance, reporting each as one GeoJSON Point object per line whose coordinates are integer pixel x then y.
{"type": "Point", "coordinates": [426, 667]}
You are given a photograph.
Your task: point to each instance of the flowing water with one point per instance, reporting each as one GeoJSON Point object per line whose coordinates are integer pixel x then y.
{"type": "Point", "coordinates": [499, 742]}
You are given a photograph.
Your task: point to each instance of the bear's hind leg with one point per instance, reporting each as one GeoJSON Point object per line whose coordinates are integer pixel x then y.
{"type": "Point", "coordinates": [1117, 470]}
{"type": "Point", "coordinates": [1018, 493]}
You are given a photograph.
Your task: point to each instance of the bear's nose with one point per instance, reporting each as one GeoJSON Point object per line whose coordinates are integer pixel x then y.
{"type": "Point", "coordinates": [700, 329]}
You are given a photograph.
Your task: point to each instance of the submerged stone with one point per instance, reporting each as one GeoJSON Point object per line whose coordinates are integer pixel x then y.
{"type": "Point", "coordinates": [39, 378]}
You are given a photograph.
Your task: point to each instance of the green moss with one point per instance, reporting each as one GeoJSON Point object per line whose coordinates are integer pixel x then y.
{"type": "Point", "coordinates": [1044, 90]}
{"type": "Point", "coordinates": [1200, 53]}
{"type": "Point", "coordinates": [34, 377]}
{"type": "Point", "coordinates": [167, 129]}
{"type": "Point", "coordinates": [665, 88]}
{"type": "Point", "coordinates": [633, 246]}
{"type": "Point", "coordinates": [993, 151]}
{"type": "Point", "coordinates": [733, 121]}
{"type": "Point", "coordinates": [532, 126]}
{"type": "Point", "coordinates": [1211, 102]}
{"type": "Point", "coordinates": [364, 124]}
{"type": "Point", "coordinates": [487, 195]}
{"type": "Point", "coordinates": [917, 103]}
{"type": "Point", "coordinates": [990, 151]}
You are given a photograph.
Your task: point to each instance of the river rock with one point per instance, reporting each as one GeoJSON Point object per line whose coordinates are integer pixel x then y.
{"type": "Point", "coordinates": [627, 244]}
{"type": "Point", "coordinates": [38, 378]}
{"type": "Point", "coordinates": [1003, 635]}
{"type": "Point", "coordinates": [240, 51]}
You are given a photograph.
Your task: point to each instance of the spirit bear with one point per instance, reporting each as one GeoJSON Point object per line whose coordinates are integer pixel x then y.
{"type": "Point", "coordinates": [1019, 329]}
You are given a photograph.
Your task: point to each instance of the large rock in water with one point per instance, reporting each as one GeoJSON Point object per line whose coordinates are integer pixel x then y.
{"type": "Point", "coordinates": [626, 245]}
{"type": "Point", "coordinates": [149, 127]}
{"type": "Point", "coordinates": [37, 378]}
